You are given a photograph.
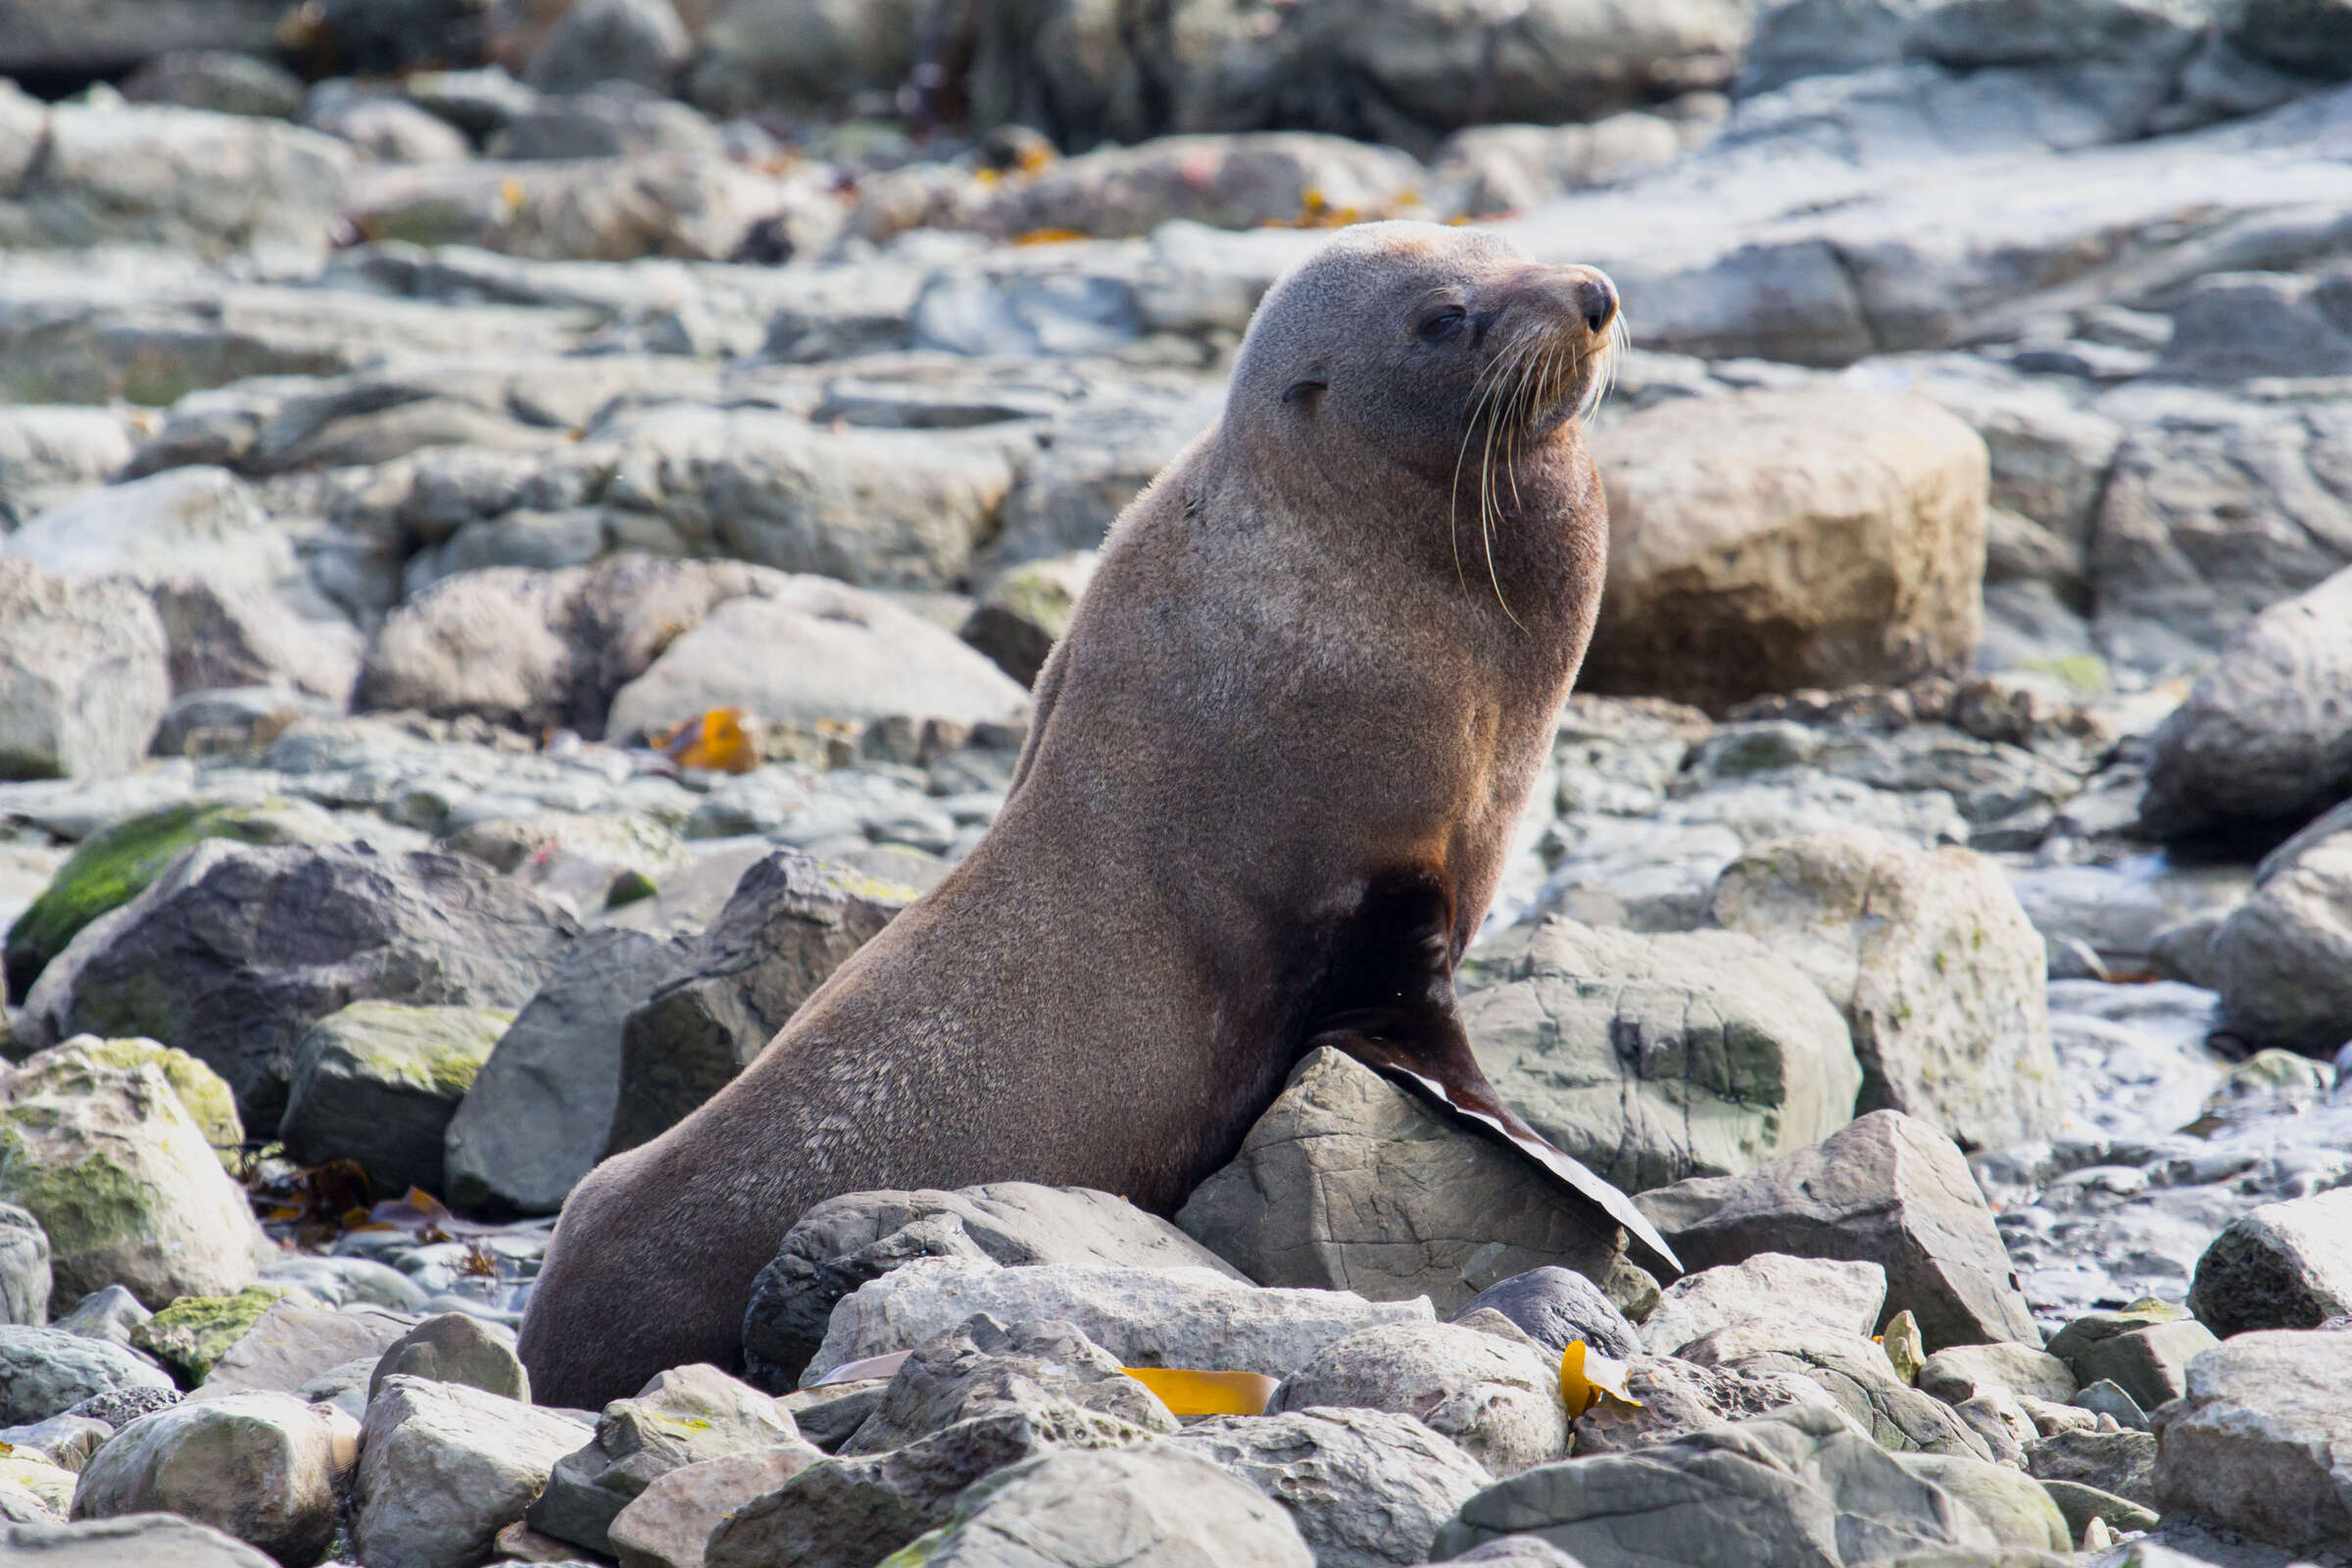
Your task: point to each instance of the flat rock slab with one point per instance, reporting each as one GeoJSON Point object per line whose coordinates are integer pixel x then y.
{"type": "Point", "coordinates": [2262, 1442]}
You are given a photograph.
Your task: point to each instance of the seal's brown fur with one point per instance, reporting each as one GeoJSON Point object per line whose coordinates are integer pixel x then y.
{"type": "Point", "coordinates": [1274, 771]}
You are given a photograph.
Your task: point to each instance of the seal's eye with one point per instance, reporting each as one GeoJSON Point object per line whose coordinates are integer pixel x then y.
{"type": "Point", "coordinates": [1443, 326]}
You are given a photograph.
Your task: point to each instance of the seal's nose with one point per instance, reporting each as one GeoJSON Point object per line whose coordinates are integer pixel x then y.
{"type": "Point", "coordinates": [1596, 301]}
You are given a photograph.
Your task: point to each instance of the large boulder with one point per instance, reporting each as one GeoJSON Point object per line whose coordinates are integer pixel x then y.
{"type": "Point", "coordinates": [1853, 1370]}
{"type": "Point", "coordinates": [669, 1524]}
{"type": "Point", "coordinates": [2263, 1441]}
{"type": "Point", "coordinates": [122, 1177]}
{"type": "Point", "coordinates": [25, 1274]}
{"type": "Point", "coordinates": [45, 1372]}
{"type": "Point", "coordinates": [293, 1342]}
{"type": "Point", "coordinates": [791, 922]}
{"type": "Point", "coordinates": [1928, 953]}
{"type": "Point", "coordinates": [2281, 1266]}
{"type": "Point", "coordinates": [1801, 1487]}
{"type": "Point", "coordinates": [1347, 1181]}
{"type": "Point", "coordinates": [377, 1082]}
{"type": "Point", "coordinates": [640, 42]}
{"type": "Point", "coordinates": [2282, 959]}
{"type": "Point", "coordinates": [1162, 1507]}
{"type": "Point", "coordinates": [1656, 1058]}
{"type": "Point", "coordinates": [139, 175]}
{"type": "Point", "coordinates": [1773, 541]}
{"type": "Point", "coordinates": [237, 950]}
{"type": "Point", "coordinates": [147, 1538]}
{"type": "Point", "coordinates": [845, 1241]}
{"type": "Point", "coordinates": [84, 680]}
{"type": "Point", "coordinates": [540, 1111]}
{"type": "Point", "coordinates": [1498, 1398]}
{"type": "Point", "coordinates": [1181, 1317]}
{"type": "Point", "coordinates": [258, 1466]}
{"type": "Point", "coordinates": [443, 1468]}
{"type": "Point", "coordinates": [2264, 740]}
{"type": "Point", "coordinates": [119, 861]}
{"type": "Point", "coordinates": [1888, 1190]}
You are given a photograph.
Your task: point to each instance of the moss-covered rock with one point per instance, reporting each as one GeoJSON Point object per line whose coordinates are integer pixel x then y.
{"type": "Point", "coordinates": [379, 1081]}
{"type": "Point", "coordinates": [1027, 610]}
{"type": "Point", "coordinates": [123, 1180]}
{"type": "Point", "coordinates": [203, 1092]}
{"type": "Point", "coordinates": [116, 864]}
{"type": "Point", "coordinates": [192, 1333]}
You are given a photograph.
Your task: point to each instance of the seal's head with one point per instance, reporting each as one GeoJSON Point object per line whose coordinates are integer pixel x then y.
{"type": "Point", "coordinates": [1421, 341]}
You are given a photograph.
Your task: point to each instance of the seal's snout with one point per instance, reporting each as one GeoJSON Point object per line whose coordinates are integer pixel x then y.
{"type": "Point", "coordinates": [1595, 298]}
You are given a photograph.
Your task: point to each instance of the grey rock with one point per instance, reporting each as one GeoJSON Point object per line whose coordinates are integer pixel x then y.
{"type": "Point", "coordinates": [1807, 1488]}
{"type": "Point", "coordinates": [24, 1278]}
{"type": "Point", "coordinates": [256, 1466]}
{"type": "Point", "coordinates": [1347, 1180]}
{"type": "Point", "coordinates": [2261, 738]}
{"type": "Point", "coordinates": [1958, 1372]}
{"type": "Point", "coordinates": [2260, 1441]}
{"type": "Point", "coordinates": [1494, 168]}
{"type": "Point", "coordinates": [217, 81]}
{"type": "Point", "coordinates": [2110, 1400]}
{"type": "Point", "coordinates": [1888, 1190]}
{"type": "Point", "coordinates": [1365, 1488]}
{"type": "Point", "coordinates": [2283, 1266]}
{"type": "Point", "coordinates": [2121, 1462]}
{"type": "Point", "coordinates": [983, 1365]}
{"type": "Point", "coordinates": [83, 677]}
{"type": "Point", "coordinates": [1857, 1374]}
{"type": "Point", "coordinates": [1944, 981]}
{"type": "Point", "coordinates": [1772, 1286]}
{"type": "Point", "coordinates": [444, 1467]}
{"type": "Point", "coordinates": [1026, 609]}
{"type": "Point", "coordinates": [827, 1415]}
{"type": "Point", "coordinates": [2278, 957]}
{"type": "Point", "coordinates": [2081, 1504]}
{"type": "Point", "coordinates": [119, 1407]}
{"type": "Point", "coordinates": [2150, 1364]}
{"type": "Point", "coordinates": [65, 1441]}
{"type": "Point", "coordinates": [1179, 1316]}
{"type": "Point", "coordinates": [669, 1522]}
{"type": "Point", "coordinates": [682, 1417]}
{"type": "Point", "coordinates": [292, 1343]}
{"type": "Point", "coordinates": [289, 935]}
{"type": "Point", "coordinates": [377, 1082]}
{"type": "Point", "coordinates": [1237, 182]}
{"type": "Point", "coordinates": [1679, 1397]}
{"type": "Point", "coordinates": [454, 1347]}
{"type": "Point", "coordinates": [1498, 1401]}
{"type": "Point", "coordinates": [791, 922]}
{"type": "Point", "coordinates": [761, 52]}
{"type": "Point", "coordinates": [845, 1241]}
{"type": "Point", "coordinates": [1160, 1505]}
{"type": "Point", "coordinates": [139, 1538]}
{"type": "Point", "coordinates": [51, 454]}
{"type": "Point", "coordinates": [542, 1107]}
{"type": "Point", "coordinates": [46, 1372]}
{"type": "Point", "coordinates": [390, 131]}
{"type": "Point", "coordinates": [1520, 1551]}
{"type": "Point", "coordinates": [612, 41]}
{"type": "Point", "coordinates": [1552, 1306]}
{"type": "Point", "coordinates": [1656, 1058]}
{"type": "Point", "coordinates": [2227, 326]}
{"type": "Point", "coordinates": [2019, 1511]}
{"type": "Point", "coordinates": [231, 635]}
{"type": "Point", "coordinates": [2304, 36]}
{"type": "Point", "coordinates": [850, 1513]}
{"type": "Point", "coordinates": [611, 120]}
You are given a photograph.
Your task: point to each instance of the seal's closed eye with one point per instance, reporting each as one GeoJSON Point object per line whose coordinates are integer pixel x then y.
{"type": "Point", "coordinates": [1304, 387]}
{"type": "Point", "coordinates": [1445, 327]}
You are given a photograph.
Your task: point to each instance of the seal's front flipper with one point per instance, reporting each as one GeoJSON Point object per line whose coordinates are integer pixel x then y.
{"type": "Point", "coordinates": [1437, 1064]}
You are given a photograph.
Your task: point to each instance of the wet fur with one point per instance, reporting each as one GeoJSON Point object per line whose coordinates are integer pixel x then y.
{"type": "Point", "coordinates": [1273, 774]}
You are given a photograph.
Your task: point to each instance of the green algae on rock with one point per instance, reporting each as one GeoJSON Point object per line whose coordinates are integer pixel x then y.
{"type": "Point", "coordinates": [377, 1082]}
{"type": "Point", "coordinates": [192, 1333]}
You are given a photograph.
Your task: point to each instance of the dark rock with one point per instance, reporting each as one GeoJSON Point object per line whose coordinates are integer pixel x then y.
{"type": "Point", "coordinates": [377, 1082]}
{"type": "Point", "coordinates": [984, 1366]}
{"type": "Point", "coordinates": [236, 950]}
{"type": "Point", "coordinates": [455, 1348]}
{"type": "Point", "coordinates": [1887, 1189]}
{"type": "Point", "coordinates": [541, 1108]}
{"type": "Point", "coordinates": [1555, 1305]}
{"type": "Point", "coordinates": [2283, 1266]}
{"type": "Point", "coordinates": [618, 121]}
{"type": "Point", "coordinates": [2123, 1463]}
{"type": "Point", "coordinates": [844, 1242]}
{"type": "Point", "coordinates": [109, 1315]}
{"type": "Point", "coordinates": [120, 1408]}
{"type": "Point", "coordinates": [225, 84]}
{"type": "Point", "coordinates": [641, 41]}
{"type": "Point", "coordinates": [2108, 1399]}
{"type": "Point", "coordinates": [791, 923]}
{"type": "Point", "coordinates": [2309, 38]}
{"type": "Point", "coordinates": [2150, 1364]}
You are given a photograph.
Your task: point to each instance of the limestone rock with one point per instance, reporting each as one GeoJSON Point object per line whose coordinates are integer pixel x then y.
{"type": "Point", "coordinates": [45, 1372]}
{"type": "Point", "coordinates": [845, 1241]}
{"type": "Point", "coordinates": [122, 1179]}
{"type": "Point", "coordinates": [256, 1466]}
{"type": "Point", "coordinates": [1499, 1402]}
{"type": "Point", "coordinates": [1850, 1298]}
{"type": "Point", "coordinates": [682, 1417]}
{"type": "Point", "coordinates": [791, 922]}
{"type": "Point", "coordinates": [1651, 1059]}
{"type": "Point", "coordinates": [443, 1467]}
{"type": "Point", "coordinates": [541, 1108]}
{"type": "Point", "coordinates": [1888, 1190]}
{"type": "Point", "coordinates": [1939, 972]}
{"type": "Point", "coordinates": [82, 676]}
{"type": "Point", "coordinates": [2262, 1438]}
{"type": "Point", "coordinates": [1347, 1180]}
{"type": "Point", "coordinates": [456, 1348]}
{"type": "Point", "coordinates": [1365, 1488]}
{"type": "Point", "coordinates": [983, 1365]}
{"type": "Point", "coordinates": [1552, 1306]}
{"type": "Point", "coordinates": [1770, 541]}
{"type": "Point", "coordinates": [237, 950]}
{"type": "Point", "coordinates": [1185, 1317]}
{"type": "Point", "coordinates": [2283, 1266]}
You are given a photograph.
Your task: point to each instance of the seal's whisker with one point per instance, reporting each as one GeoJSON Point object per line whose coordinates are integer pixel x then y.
{"type": "Point", "coordinates": [1482, 390]}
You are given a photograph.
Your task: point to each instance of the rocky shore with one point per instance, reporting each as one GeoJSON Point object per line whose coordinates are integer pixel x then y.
{"type": "Point", "coordinates": [525, 533]}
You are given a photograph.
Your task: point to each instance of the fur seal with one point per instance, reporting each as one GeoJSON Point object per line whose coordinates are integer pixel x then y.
{"type": "Point", "coordinates": [1272, 775]}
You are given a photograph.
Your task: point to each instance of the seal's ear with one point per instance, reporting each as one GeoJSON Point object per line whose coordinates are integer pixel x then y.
{"type": "Point", "coordinates": [1306, 386]}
